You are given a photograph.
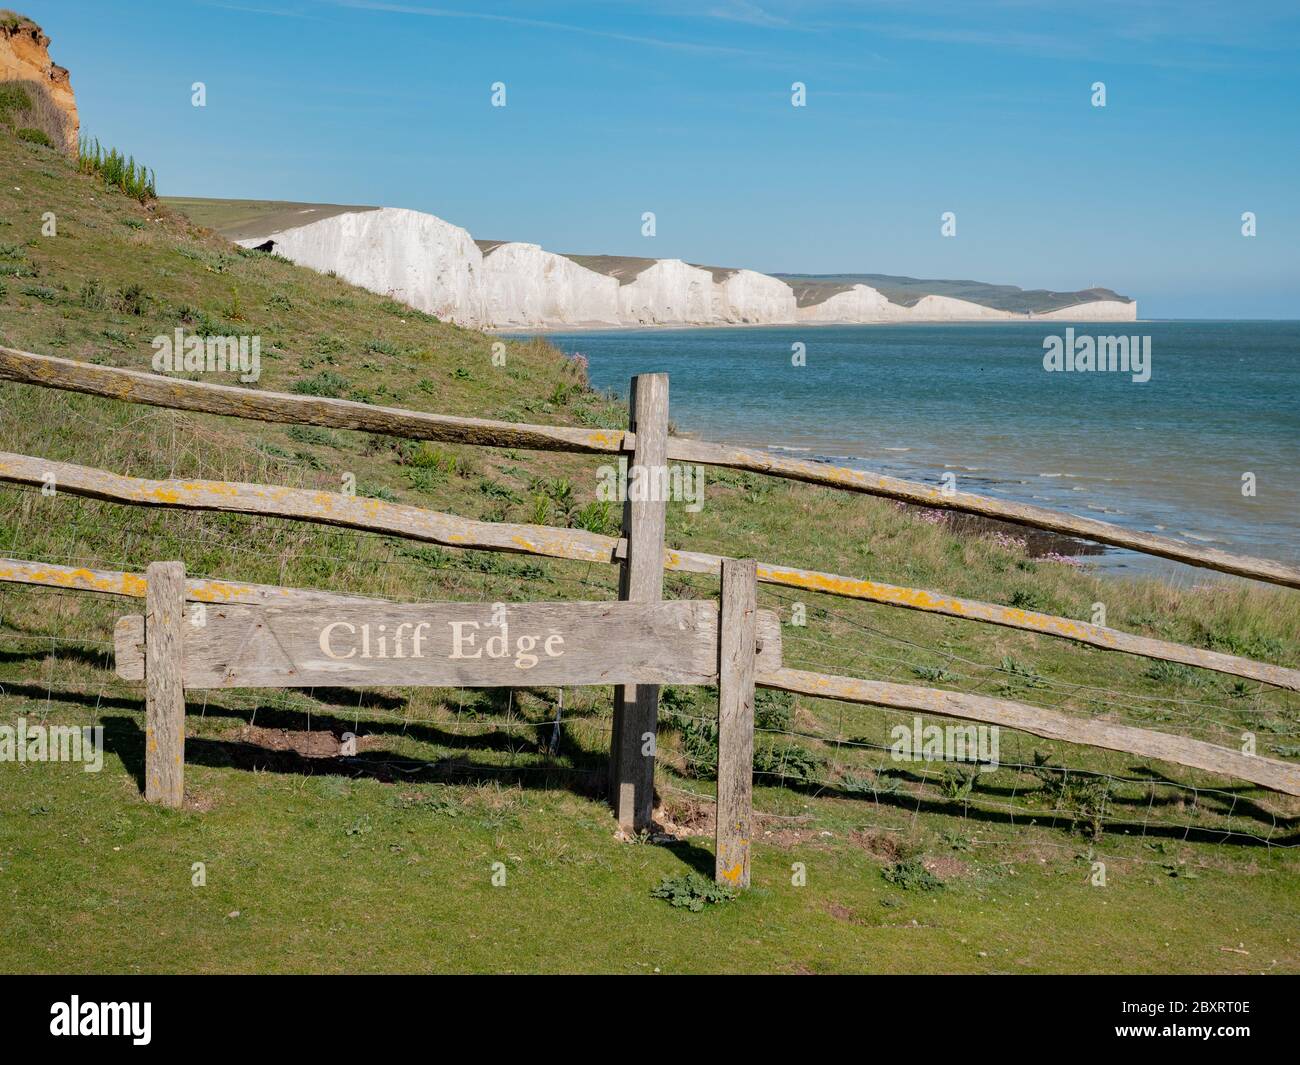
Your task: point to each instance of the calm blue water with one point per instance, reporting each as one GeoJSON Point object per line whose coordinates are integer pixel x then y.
{"type": "Point", "coordinates": [916, 401]}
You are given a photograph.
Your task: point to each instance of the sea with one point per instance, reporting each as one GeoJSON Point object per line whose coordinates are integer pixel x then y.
{"type": "Point", "coordinates": [1207, 449]}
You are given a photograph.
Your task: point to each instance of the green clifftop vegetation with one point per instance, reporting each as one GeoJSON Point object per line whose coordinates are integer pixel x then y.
{"type": "Point", "coordinates": [383, 861]}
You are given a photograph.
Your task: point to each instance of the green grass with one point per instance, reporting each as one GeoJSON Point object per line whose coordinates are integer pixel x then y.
{"type": "Point", "coordinates": [35, 136]}
{"type": "Point", "coordinates": [116, 170]}
{"type": "Point", "coordinates": [26, 109]}
{"type": "Point", "coordinates": [385, 861]}
{"type": "Point", "coordinates": [11, 21]}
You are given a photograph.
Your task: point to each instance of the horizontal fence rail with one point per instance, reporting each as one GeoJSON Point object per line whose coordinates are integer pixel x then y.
{"type": "Point", "coordinates": [374, 515]}
{"type": "Point", "coordinates": [137, 387]}
{"type": "Point", "coordinates": [995, 614]}
{"type": "Point", "coordinates": [1037, 721]}
{"type": "Point", "coordinates": [197, 590]}
{"type": "Point", "coordinates": [878, 484]}
{"type": "Point", "coordinates": [321, 508]}
{"type": "Point", "coordinates": [1049, 724]}
{"type": "Point", "coordinates": [133, 386]}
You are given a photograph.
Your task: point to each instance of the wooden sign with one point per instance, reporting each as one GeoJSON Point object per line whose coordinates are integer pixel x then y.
{"type": "Point", "coordinates": [461, 645]}
{"type": "Point", "coordinates": [345, 642]}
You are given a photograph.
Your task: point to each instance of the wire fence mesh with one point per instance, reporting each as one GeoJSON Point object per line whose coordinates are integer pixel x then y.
{"type": "Point", "coordinates": [844, 756]}
{"type": "Point", "coordinates": [838, 756]}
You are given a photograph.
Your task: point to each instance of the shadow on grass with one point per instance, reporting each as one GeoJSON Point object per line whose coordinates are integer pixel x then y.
{"type": "Point", "coordinates": [585, 775]}
{"type": "Point", "coordinates": [354, 697]}
{"type": "Point", "coordinates": [98, 659]}
{"type": "Point", "coordinates": [695, 853]}
{"type": "Point", "coordinates": [94, 700]}
{"type": "Point", "coordinates": [583, 771]}
{"type": "Point", "coordinates": [495, 735]}
{"type": "Point", "coordinates": [1122, 813]}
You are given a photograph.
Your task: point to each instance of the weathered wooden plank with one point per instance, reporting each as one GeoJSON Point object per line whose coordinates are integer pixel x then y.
{"type": "Point", "coordinates": [197, 589]}
{"type": "Point", "coordinates": [164, 717]}
{"type": "Point", "coordinates": [636, 707]}
{"type": "Point", "coordinates": [1050, 724]}
{"type": "Point", "coordinates": [672, 642]}
{"type": "Point", "coordinates": [128, 644]}
{"type": "Point", "coordinates": [993, 613]}
{"type": "Point", "coordinates": [735, 811]}
{"type": "Point", "coordinates": [1029, 621]}
{"type": "Point", "coordinates": [324, 508]}
{"type": "Point", "coordinates": [415, 523]}
{"type": "Point", "coordinates": [128, 647]}
{"type": "Point", "coordinates": [72, 578]}
{"type": "Point", "coordinates": [176, 393]}
{"type": "Point", "coordinates": [681, 449]}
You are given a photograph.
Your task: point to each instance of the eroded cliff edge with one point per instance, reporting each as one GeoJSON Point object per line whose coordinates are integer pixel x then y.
{"type": "Point", "coordinates": [25, 62]}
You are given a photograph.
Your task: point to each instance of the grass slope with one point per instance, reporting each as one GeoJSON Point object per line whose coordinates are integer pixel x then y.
{"type": "Point", "coordinates": [237, 219]}
{"type": "Point", "coordinates": [384, 861]}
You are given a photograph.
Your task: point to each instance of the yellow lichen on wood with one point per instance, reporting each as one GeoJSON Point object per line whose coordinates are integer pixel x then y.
{"type": "Point", "coordinates": [76, 578]}
{"type": "Point", "coordinates": [605, 441]}
{"type": "Point", "coordinates": [418, 524]}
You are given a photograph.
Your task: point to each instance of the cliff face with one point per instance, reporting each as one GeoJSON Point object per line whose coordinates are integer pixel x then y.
{"type": "Point", "coordinates": [951, 309]}
{"type": "Point", "coordinates": [747, 297]}
{"type": "Point", "coordinates": [670, 292]}
{"type": "Point", "coordinates": [437, 267]}
{"type": "Point", "coordinates": [1096, 311]}
{"type": "Point", "coordinates": [525, 285]}
{"type": "Point", "coordinates": [861, 303]}
{"type": "Point", "coordinates": [25, 57]}
{"type": "Point", "coordinates": [413, 257]}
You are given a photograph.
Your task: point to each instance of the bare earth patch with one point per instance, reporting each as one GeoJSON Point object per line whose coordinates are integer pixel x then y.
{"type": "Point", "coordinates": [946, 867]}
{"type": "Point", "coordinates": [682, 816]}
{"type": "Point", "coordinates": [199, 801]}
{"type": "Point", "coordinates": [883, 845]}
{"type": "Point", "coordinates": [314, 744]}
{"type": "Point", "coordinates": [842, 913]}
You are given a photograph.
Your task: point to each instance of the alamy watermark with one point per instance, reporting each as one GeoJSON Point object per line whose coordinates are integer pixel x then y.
{"type": "Point", "coordinates": [79, 1018]}
{"type": "Point", "coordinates": [179, 353]}
{"type": "Point", "coordinates": [53, 743]}
{"type": "Point", "coordinates": [651, 484]}
{"type": "Point", "coordinates": [946, 743]}
{"type": "Point", "coordinates": [1083, 354]}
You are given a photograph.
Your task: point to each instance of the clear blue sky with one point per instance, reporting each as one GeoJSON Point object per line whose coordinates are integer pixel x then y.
{"type": "Point", "coordinates": [683, 108]}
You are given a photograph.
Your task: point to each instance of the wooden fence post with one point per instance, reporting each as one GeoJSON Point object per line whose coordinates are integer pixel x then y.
{"type": "Point", "coordinates": [737, 635]}
{"type": "Point", "coordinates": [164, 715]}
{"type": "Point", "coordinates": [636, 707]}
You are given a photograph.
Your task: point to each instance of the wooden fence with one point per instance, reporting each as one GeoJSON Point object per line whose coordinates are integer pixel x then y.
{"type": "Point", "coordinates": [179, 394]}
{"type": "Point", "coordinates": [641, 554]}
{"type": "Point", "coordinates": [363, 644]}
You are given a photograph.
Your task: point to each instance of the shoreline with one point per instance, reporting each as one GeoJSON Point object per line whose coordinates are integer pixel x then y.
{"type": "Point", "coordinates": [918, 404]}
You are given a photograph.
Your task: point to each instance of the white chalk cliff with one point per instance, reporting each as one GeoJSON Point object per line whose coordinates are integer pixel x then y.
{"type": "Point", "coordinates": [1096, 311]}
{"type": "Point", "coordinates": [436, 267]}
{"type": "Point", "coordinates": [525, 285]}
{"type": "Point", "coordinates": [951, 309]}
{"type": "Point", "coordinates": [860, 304]}
{"type": "Point", "coordinates": [413, 257]}
{"type": "Point", "coordinates": [746, 297]}
{"type": "Point", "coordinates": [668, 293]}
